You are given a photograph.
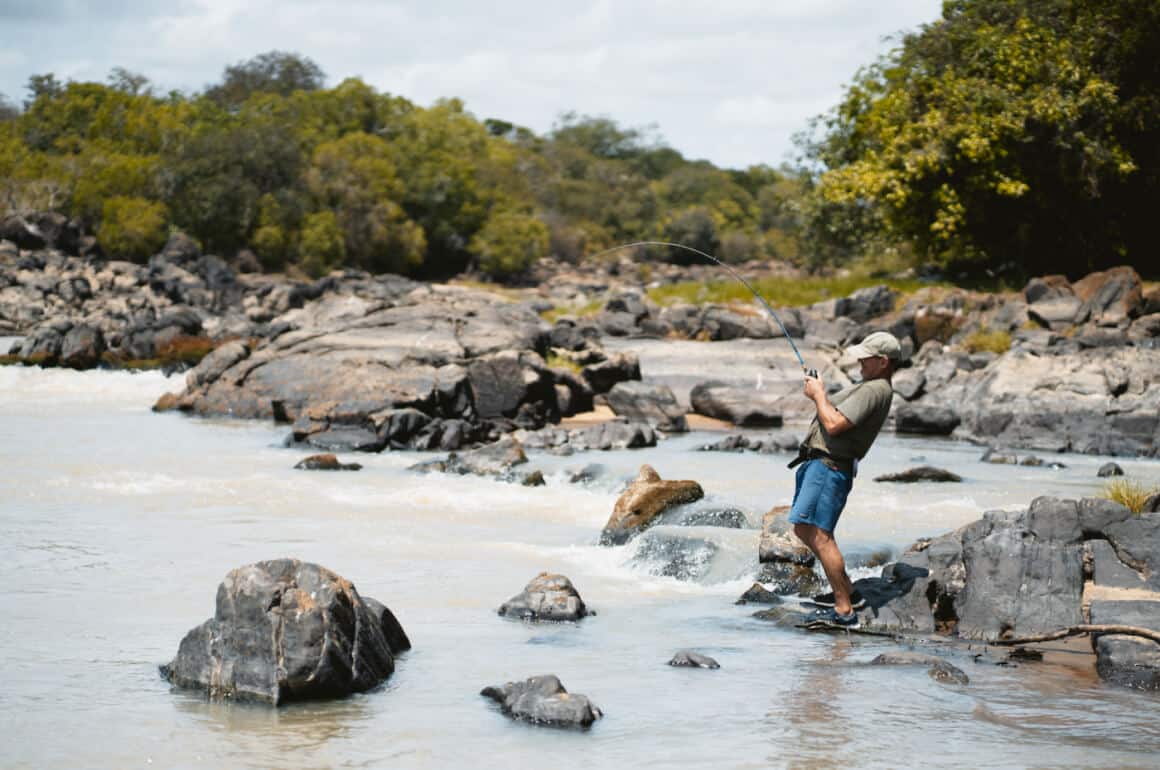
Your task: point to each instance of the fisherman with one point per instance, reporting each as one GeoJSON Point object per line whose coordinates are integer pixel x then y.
{"type": "Point", "coordinates": [841, 434]}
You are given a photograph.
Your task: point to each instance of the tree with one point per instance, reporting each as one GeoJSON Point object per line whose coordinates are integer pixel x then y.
{"type": "Point", "coordinates": [46, 86]}
{"type": "Point", "coordinates": [509, 243]}
{"type": "Point", "coordinates": [132, 228]}
{"type": "Point", "coordinates": [355, 178]}
{"type": "Point", "coordinates": [1008, 133]}
{"type": "Point", "coordinates": [274, 72]}
{"type": "Point", "coordinates": [132, 83]}
{"type": "Point", "coordinates": [8, 110]}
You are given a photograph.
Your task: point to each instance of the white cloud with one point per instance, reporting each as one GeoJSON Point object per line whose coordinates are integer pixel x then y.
{"type": "Point", "coordinates": [729, 81]}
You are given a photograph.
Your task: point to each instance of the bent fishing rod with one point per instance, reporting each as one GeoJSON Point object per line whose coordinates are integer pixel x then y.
{"type": "Point", "coordinates": [735, 274]}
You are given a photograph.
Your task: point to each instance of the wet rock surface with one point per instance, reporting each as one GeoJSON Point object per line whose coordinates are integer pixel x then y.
{"type": "Point", "coordinates": [547, 597]}
{"type": "Point", "coordinates": [326, 462]}
{"type": "Point", "coordinates": [645, 499]}
{"type": "Point", "coordinates": [921, 473]}
{"type": "Point", "coordinates": [543, 700]}
{"type": "Point", "coordinates": [690, 659]}
{"type": "Point", "coordinates": [286, 630]}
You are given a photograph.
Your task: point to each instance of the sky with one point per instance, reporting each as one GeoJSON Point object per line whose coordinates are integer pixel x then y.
{"type": "Point", "coordinates": [730, 81]}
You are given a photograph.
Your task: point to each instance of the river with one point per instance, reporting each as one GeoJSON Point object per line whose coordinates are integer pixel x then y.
{"type": "Point", "coordinates": [118, 524]}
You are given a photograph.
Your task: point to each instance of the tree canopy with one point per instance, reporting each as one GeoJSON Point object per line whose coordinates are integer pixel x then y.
{"type": "Point", "coordinates": [1008, 135]}
{"type": "Point", "coordinates": [271, 161]}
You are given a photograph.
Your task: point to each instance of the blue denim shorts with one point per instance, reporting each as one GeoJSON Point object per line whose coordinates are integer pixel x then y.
{"type": "Point", "coordinates": [820, 495]}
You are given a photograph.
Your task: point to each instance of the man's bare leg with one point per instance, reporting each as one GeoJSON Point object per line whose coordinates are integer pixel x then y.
{"type": "Point", "coordinates": [824, 546]}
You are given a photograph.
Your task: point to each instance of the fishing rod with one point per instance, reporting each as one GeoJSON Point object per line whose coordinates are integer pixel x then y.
{"type": "Point", "coordinates": [772, 314]}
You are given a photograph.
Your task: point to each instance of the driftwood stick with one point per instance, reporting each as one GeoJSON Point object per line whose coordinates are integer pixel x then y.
{"type": "Point", "coordinates": [1087, 628]}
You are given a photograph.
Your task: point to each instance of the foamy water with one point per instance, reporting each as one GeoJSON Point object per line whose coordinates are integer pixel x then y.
{"type": "Point", "coordinates": [118, 524]}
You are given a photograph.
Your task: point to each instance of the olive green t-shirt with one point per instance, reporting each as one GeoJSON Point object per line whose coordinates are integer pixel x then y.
{"type": "Point", "coordinates": [866, 405]}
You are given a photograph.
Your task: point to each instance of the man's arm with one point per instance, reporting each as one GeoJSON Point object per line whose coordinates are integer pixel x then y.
{"type": "Point", "coordinates": [828, 415]}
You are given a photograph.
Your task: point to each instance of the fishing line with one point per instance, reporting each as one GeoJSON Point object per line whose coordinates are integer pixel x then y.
{"type": "Point", "coordinates": [732, 272]}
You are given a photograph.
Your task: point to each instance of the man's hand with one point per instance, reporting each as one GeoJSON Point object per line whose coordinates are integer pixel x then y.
{"type": "Point", "coordinates": [814, 388]}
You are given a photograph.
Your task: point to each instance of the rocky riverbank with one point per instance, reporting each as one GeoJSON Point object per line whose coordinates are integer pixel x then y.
{"type": "Point", "coordinates": [354, 361]}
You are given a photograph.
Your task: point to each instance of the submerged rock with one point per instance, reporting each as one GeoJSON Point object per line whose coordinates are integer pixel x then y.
{"type": "Point", "coordinates": [690, 659]}
{"type": "Point", "coordinates": [547, 597]}
{"type": "Point", "coordinates": [543, 700]}
{"type": "Point", "coordinates": [940, 670]}
{"type": "Point", "coordinates": [287, 630]}
{"type": "Point", "coordinates": [922, 473]}
{"type": "Point", "coordinates": [326, 462]}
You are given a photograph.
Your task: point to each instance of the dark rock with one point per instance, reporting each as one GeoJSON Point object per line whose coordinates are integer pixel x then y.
{"type": "Point", "coordinates": [940, 669]}
{"type": "Point", "coordinates": [925, 419]}
{"type": "Point", "coordinates": [758, 594]}
{"type": "Point", "coordinates": [787, 578]}
{"type": "Point", "coordinates": [654, 404]}
{"type": "Point", "coordinates": [619, 367]}
{"type": "Point", "coordinates": [1109, 469]}
{"type": "Point", "coordinates": [397, 427]}
{"type": "Point", "coordinates": [284, 630]}
{"type": "Point", "coordinates": [346, 439]}
{"type": "Point", "coordinates": [617, 324]}
{"type": "Point", "coordinates": [646, 498]}
{"type": "Point", "coordinates": [1018, 585]}
{"type": "Point", "coordinates": [1107, 569]}
{"type": "Point", "coordinates": [778, 542]}
{"type": "Point", "coordinates": [543, 700]}
{"type": "Point", "coordinates": [628, 302]}
{"type": "Point", "coordinates": [1109, 297]}
{"type": "Point", "coordinates": [730, 518]}
{"type": "Point", "coordinates": [1128, 661]}
{"type": "Point", "coordinates": [1152, 504]}
{"type": "Point", "coordinates": [1137, 544]}
{"type": "Point", "coordinates": [614, 435]}
{"type": "Point", "coordinates": [674, 554]}
{"type": "Point", "coordinates": [1051, 519]}
{"type": "Point", "coordinates": [327, 462]}
{"type": "Point", "coordinates": [741, 406]}
{"type": "Point", "coordinates": [868, 303]}
{"type": "Point", "coordinates": [1047, 287]}
{"type": "Point", "coordinates": [568, 334]}
{"type": "Point", "coordinates": [587, 474]}
{"type": "Point", "coordinates": [82, 347]}
{"type": "Point", "coordinates": [771, 444]}
{"type": "Point", "coordinates": [690, 659]}
{"type": "Point", "coordinates": [922, 473]}
{"type": "Point", "coordinates": [1096, 514]}
{"type": "Point", "coordinates": [909, 383]}
{"type": "Point", "coordinates": [392, 630]}
{"type": "Point", "coordinates": [547, 597]}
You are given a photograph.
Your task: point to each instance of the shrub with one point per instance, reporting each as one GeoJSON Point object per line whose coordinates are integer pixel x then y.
{"type": "Point", "coordinates": [509, 243]}
{"type": "Point", "coordinates": [133, 228]}
{"type": "Point", "coordinates": [322, 244]}
{"type": "Point", "coordinates": [986, 340]}
{"type": "Point", "coordinates": [1129, 493]}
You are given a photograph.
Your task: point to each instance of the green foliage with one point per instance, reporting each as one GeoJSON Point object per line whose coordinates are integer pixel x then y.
{"type": "Point", "coordinates": [1129, 493]}
{"type": "Point", "coordinates": [988, 340]}
{"type": "Point", "coordinates": [319, 178]}
{"type": "Point", "coordinates": [132, 228]}
{"type": "Point", "coordinates": [323, 246]}
{"type": "Point", "coordinates": [509, 243]}
{"type": "Point", "coordinates": [274, 72]}
{"type": "Point", "coordinates": [1006, 133]}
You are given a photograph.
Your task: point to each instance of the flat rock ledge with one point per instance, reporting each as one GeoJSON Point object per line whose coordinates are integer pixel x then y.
{"type": "Point", "coordinates": [542, 700]}
{"type": "Point", "coordinates": [1025, 574]}
{"type": "Point", "coordinates": [286, 630]}
{"type": "Point", "coordinates": [548, 597]}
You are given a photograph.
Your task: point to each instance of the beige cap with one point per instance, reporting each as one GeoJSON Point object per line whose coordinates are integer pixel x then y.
{"type": "Point", "coordinates": [877, 344]}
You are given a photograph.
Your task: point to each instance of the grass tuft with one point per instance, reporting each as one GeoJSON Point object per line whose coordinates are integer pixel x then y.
{"type": "Point", "coordinates": [1128, 493]}
{"type": "Point", "coordinates": [989, 341]}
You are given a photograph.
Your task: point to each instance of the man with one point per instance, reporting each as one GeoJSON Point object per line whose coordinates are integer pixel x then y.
{"type": "Point", "coordinates": [841, 434]}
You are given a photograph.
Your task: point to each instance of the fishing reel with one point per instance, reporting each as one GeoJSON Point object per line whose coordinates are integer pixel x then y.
{"type": "Point", "coordinates": [812, 373]}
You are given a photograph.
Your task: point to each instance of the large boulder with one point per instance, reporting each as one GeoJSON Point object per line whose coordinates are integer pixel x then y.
{"type": "Point", "coordinates": [1130, 661]}
{"type": "Point", "coordinates": [646, 498]}
{"type": "Point", "coordinates": [741, 406]}
{"type": "Point", "coordinates": [546, 597]}
{"type": "Point", "coordinates": [603, 375]}
{"type": "Point", "coordinates": [1110, 297]}
{"type": "Point", "coordinates": [654, 404]}
{"type": "Point", "coordinates": [925, 419]}
{"type": "Point", "coordinates": [285, 630]}
{"type": "Point", "coordinates": [543, 700]}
